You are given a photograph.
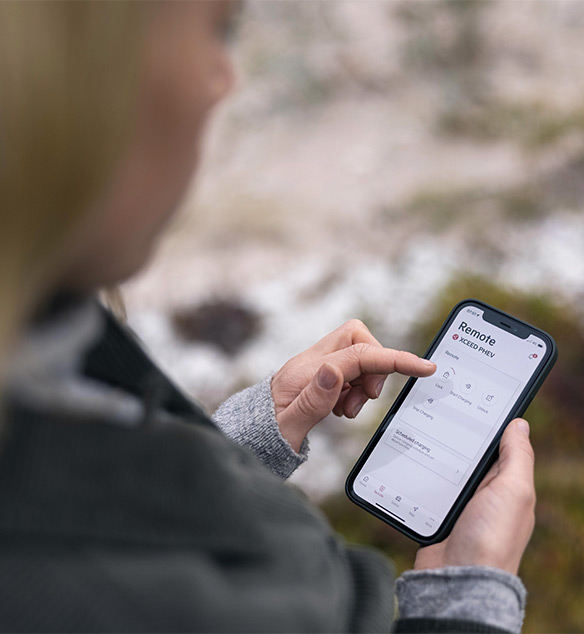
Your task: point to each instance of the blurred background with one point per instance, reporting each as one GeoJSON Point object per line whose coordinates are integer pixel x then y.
{"type": "Point", "coordinates": [383, 160]}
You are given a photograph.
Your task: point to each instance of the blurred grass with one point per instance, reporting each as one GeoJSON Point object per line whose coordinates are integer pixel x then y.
{"type": "Point", "coordinates": [447, 45]}
{"type": "Point", "coordinates": [445, 36]}
{"type": "Point", "coordinates": [534, 126]}
{"type": "Point", "coordinates": [553, 565]}
{"type": "Point", "coordinates": [443, 208]}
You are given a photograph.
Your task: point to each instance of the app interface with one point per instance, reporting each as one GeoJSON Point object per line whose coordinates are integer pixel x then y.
{"type": "Point", "coordinates": [438, 436]}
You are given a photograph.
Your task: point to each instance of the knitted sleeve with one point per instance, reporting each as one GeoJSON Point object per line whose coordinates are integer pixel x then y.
{"type": "Point", "coordinates": [474, 598]}
{"type": "Point", "coordinates": [248, 418]}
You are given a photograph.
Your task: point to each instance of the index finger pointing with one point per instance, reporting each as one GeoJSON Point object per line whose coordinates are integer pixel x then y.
{"type": "Point", "coordinates": [351, 332]}
{"type": "Point", "coordinates": [363, 358]}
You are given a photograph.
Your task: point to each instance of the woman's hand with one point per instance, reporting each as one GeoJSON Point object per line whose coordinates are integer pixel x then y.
{"type": "Point", "coordinates": [338, 374]}
{"type": "Point", "coordinates": [496, 525]}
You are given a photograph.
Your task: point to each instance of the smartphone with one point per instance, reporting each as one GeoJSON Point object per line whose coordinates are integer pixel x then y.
{"type": "Point", "coordinates": [441, 435]}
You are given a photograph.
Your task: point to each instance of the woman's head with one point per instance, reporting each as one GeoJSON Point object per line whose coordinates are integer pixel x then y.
{"type": "Point", "coordinates": [187, 71]}
{"type": "Point", "coordinates": [102, 109]}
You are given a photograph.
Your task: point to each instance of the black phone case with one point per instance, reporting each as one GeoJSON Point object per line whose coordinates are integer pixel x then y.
{"type": "Point", "coordinates": [490, 455]}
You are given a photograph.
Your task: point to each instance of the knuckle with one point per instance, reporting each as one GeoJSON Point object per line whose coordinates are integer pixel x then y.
{"type": "Point", "coordinates": [525, 493]}
{"type": "Point", "coordinates": [356, 324]}
{"type": "Point", "coordinates": [521, 492]}
{"type": "Point", "coordinates": [528, 448]}
{"type": "Point", "coordinates": [398, 356]}
{"type": "Point", "coordinates": [308, 403]}
{"type": "Point", "coordinates": [402, 355]}
{"type": "Point", "coordinates": [400, 360]}
{"type": "Point", "coordinates": [359, 349]}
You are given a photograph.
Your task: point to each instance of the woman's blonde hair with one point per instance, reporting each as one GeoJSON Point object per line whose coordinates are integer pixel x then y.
{"type": "Point", "coordinates": [69, 77]}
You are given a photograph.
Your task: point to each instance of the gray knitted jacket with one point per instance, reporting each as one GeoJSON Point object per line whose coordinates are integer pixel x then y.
{"type": "Point", "coordinates": [469, 593]}
{"type": "Point", "coordinates": [124, 508]}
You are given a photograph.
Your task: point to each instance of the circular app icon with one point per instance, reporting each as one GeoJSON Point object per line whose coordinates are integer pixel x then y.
{"type": "Point", "coordinates": [489, 398]}
{"type": "Point", "coordinates": [455, 337]}
{"type": "Point", "coordinates": [429, 403]}
{"type": "Point", "coordinates": [468, 386]}
{"type": "Point", "coordinates": [446, 374]}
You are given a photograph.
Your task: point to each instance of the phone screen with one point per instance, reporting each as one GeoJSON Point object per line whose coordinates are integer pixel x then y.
{"type": "Point", "coordinates": [447, 421]}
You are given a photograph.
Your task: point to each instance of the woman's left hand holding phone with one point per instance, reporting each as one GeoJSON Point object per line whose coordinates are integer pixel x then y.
{"type": "Point", "coordinates": [339, 374]}
{"type": "Point", "coordinates": [496, 525]}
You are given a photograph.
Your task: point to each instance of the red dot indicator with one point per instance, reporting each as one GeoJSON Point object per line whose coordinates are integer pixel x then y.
{"type": "Point", "coordinates": [455, 337]}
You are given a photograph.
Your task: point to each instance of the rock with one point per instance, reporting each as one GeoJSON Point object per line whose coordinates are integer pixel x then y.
{"type": "Point", "coordinates": [225, 323]}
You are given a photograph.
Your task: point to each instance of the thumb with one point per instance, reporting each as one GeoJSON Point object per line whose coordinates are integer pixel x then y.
{"type": "Point", "coordinates": [315, 401]}
{"type": "Point", "coordinates": [516, 459]}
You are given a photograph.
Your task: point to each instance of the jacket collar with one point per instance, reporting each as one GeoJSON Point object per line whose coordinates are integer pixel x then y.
{"type": "Point", "coordinates": [68, 474]}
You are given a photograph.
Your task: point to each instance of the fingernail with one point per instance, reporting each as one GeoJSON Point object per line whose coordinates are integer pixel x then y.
{"type": "Point", "coordinates": [523, 425]}
{"type": "Point", "coordinates": [326, 378]}
{"type": "Point", "coordinates": [379, 386]}
{"type": "Point", "coordinates": [357, 409]}
{"type": "Point", "coordinates": [428, 363]}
